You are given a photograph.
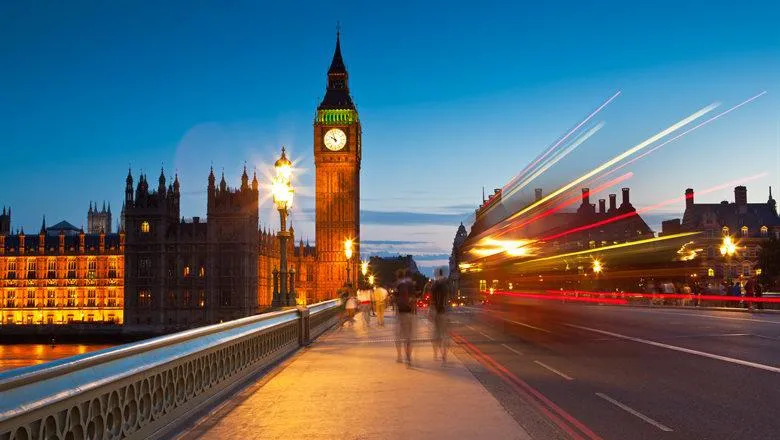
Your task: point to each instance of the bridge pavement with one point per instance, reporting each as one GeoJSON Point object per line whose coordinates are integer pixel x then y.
{"type": "Point", "coordinates": [347, 385]}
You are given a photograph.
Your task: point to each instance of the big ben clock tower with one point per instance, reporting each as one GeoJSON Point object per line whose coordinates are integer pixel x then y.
{"type": "Point", "coordinates": [337, 153]}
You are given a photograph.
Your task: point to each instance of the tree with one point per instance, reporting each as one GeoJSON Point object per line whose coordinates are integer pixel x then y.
{"type": "Point", "coordinates": [769, 262]}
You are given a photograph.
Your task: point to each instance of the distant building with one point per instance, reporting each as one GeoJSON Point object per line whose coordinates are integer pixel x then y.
{"type": "Point", "coordinates": [457, 243]}
{"type": "Point", "coordinates": [60, 275]}
{"type": "Point", "coordinates": [746, 224]}
{"type": "Point", "coordinates": [99, 220]}
{"type": "Point", "coordinates": [591, 226]}
{"type": "Point", "coordinates": [385, 268]}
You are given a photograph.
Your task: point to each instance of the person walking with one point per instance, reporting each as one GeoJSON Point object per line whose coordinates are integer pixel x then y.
{"type": "Point", "coordinates": [364, 303]}
{"type": "Point", "coordinates": [379, 298]}
{"type": "Point", "coordinates": [750, 293]}
{"type": "Point", "coordinates": [404, 303]}
{"type": "Point", "coordinates": [351, 307]}
{"type": "Point", "coordinates": [440, 292]}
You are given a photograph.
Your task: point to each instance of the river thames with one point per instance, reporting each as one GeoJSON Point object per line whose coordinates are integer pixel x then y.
{"type": "Point", "coordinates": [22, 355]}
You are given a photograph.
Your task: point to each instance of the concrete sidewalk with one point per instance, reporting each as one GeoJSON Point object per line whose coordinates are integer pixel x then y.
{"type": "Point", "coordinates": [348, 385]}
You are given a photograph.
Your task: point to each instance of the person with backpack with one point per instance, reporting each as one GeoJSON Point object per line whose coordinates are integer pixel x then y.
{"type": "Point", "coordinates": [405, 303]}
{"type": "Point", "coordinates": [440, 292]}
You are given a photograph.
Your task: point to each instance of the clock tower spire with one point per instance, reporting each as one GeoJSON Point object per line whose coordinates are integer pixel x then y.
{"type": "Point", "coordinates": [337, 157]}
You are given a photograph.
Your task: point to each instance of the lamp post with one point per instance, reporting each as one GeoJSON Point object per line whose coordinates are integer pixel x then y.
{"type": "Point", "coordinates": [282, 190]}
{"type": "Point", "coordinates": [348, 253]}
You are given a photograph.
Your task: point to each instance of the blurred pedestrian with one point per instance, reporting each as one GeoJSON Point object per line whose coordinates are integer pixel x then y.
{"type": "Point", "coordinates": [404, 302]}
{"type": "Point", "coordinates": [440, 292]}
{"type": "Point", "coordinates": [750, 293]}
{"type": "Point", "coordinates": [379, 298]}
{"type": "Point", "coordinates": [351, 306]}
{"type": "Point", "coordinates": [364, 304]}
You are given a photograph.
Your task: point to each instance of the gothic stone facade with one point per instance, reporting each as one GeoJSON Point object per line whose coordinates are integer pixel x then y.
{"type": "Point", "coordinates": [748, 224]}
{"type": "Point", "coordinates": [60, 275]}
{"type": "Point", "coordinates": [337, 157]}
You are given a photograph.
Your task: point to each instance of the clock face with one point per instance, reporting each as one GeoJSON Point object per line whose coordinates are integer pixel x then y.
{"type": "Point", "coordinates": [335, 139]}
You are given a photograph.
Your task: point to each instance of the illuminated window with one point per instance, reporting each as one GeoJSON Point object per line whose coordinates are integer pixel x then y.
{"type": "Point", "coordinates": [710, 272]}
{"type": "Point", "coordinates": [111, 297]}
{"type": "Point", "coordinates": [145, 227]}
{"type": "Point", "coordinates": [91, 298]}
{"type": "Point", "coordinates": [91, 268]}
{"type": "Point", "coordinates": [144, 298]}
{"type": "Point", "coordinates": [186, 271]}
{"type": "Point", "coordinates": [112, 268]}
{"type": "Point", "coordinates": [482, 285]}
{"type": "Point", "coordinates": [202, 299]}
{"type": "Point", "coordinates": [725, 230]}
{"type": "Point", "coordinates": [31, 298]}
{"type": "Point", "coordinates": [71, 268]}
{"type": "Point", "coordinates": [51, 298]}
{"type": "Point", "coordinates": [71, 297]}
{"type": "Point", "coordinates": [12, 269]}
{"type": "Point", "coordinates": [764, 231]}
{"type": "Point", "coordinates": [32, 266]}
{"type": "Point", "coordinates": [744, 231]}
{"type": "Point", "coordinates": [202, 272]}
{"type": "Point", "coordinates": [51, 270]}
{"type": "Point", "coordinates": [50, 319]}
{"type": "Point", "coordinates": [10, 299]}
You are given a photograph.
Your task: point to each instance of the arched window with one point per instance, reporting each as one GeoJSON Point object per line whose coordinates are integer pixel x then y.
{"type": "Point", "coordinates": [710, 272]}
{"type": "Point", "coordinates": [725, 230]}
{"type": "Point", "coordinates": [764, 231]}
{"type": "Point", "coordinates": [744, 231]}
{"type": "Point", "coordinates": [145, 228]}
{"type": "Point", "coordinates": [186, 271]}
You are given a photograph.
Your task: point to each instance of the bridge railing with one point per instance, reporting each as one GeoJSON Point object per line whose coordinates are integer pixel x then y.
{"type": "Point", "coordinates": [141, 390]}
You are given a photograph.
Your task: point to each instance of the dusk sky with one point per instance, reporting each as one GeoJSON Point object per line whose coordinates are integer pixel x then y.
{"type": "Point", "coordinates": [451, 98]}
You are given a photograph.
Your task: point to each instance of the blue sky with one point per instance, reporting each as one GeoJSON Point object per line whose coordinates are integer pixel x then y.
{"type": "Point", "coordinates": [452, 97]}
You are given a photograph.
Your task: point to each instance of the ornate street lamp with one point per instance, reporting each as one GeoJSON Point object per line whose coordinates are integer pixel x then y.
{"type": "Point", "coordinates": [282, 190]}
{"type": "Point", "coordinates": [348, 253]}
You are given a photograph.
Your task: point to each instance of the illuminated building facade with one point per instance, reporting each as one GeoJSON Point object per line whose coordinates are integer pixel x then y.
{"type": "Point", "coordinates": [60, 276]}
{"type": "Point", "coordinates": [337, 157]}
{"type": "Point", "coordinates": [744, 224]}
{"type": "Point", "coordinates": [161, 272]}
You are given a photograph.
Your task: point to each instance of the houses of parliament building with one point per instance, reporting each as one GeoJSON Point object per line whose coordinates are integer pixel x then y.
{"type": "Point", "coordinates": [160, 272]}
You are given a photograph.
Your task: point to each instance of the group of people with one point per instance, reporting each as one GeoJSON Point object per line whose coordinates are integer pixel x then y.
{"type": "Point", "coordinates": [404, 299]}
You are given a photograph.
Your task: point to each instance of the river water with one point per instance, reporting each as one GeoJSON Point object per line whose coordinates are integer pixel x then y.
{"type": "Point", "coordinates": [22, 355]}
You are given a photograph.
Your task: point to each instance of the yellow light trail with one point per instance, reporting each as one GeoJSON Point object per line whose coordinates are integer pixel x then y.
{"type": "Point", "coordinates": [617, 158]}
{"type": "Point", "coordinates": [610, 247]}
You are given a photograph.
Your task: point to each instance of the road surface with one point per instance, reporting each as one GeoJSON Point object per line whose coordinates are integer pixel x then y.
{"type": "Point", "coordinates": [620, 372]}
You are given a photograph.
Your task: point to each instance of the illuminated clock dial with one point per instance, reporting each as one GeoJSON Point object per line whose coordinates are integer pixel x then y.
{"type": "Point", "coordinates": [335, 139]}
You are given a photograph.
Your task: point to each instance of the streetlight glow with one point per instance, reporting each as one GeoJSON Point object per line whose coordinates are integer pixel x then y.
{"type": "Point", "coordinates": [348, 248]}
{"type": "Point", "coordinates": [364, 267]}
{"type": "Point", "coordinates": [371, 279]}
{"type": "Point", "coordinates": [728, 247]}
{"type": "Point", "coordinates": [597, 266]}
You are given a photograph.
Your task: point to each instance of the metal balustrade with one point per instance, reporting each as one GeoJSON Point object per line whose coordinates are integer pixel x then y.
{"type": "Point", "coordinates": [144, 389]}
